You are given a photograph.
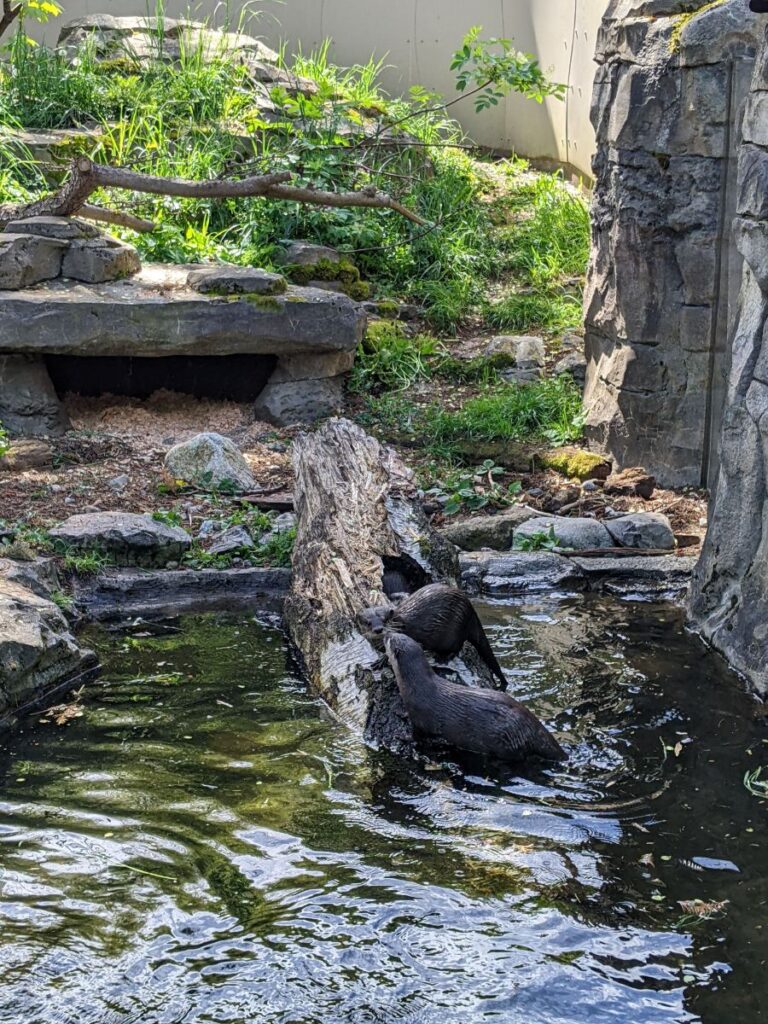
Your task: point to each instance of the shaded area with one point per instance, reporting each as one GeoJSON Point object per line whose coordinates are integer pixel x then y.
{"type": "Point", "coordinates": [239, 378]}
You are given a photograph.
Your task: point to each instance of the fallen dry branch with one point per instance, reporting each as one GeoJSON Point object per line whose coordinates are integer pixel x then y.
{"type": "Point", "coordinates": [358, 514]}
{"type": "Point", "coordinates": [86, 177]}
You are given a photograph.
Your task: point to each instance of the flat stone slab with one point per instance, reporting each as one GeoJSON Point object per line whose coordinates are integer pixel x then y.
{"type": "Point", "coordinates": [649, 578]}
{"type": "Point", "coordinates": [119, 594]}
{"type": "Point", "coordinates": [129, 539]}
{"type": "Point", "coordinates": [156, 313]}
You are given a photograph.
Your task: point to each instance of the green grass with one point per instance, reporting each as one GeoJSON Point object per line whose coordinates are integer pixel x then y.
{"type": "Point", "coordinates": [546, 410]}
{"type": "Point", "coordinates": [543, 310]}
{"type": "Point", "coordinates": [200, 119]}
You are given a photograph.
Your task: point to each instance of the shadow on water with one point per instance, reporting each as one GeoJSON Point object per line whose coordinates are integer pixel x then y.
{"type": "Point", "coordinates": [207, 844]}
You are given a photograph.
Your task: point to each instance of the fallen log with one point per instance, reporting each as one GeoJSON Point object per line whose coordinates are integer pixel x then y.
{"type": "Point", "coordinates": [359, 515]}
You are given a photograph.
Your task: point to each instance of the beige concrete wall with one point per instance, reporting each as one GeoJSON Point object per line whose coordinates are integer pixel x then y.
{"type": "Point", "coordinates": [417, 37]}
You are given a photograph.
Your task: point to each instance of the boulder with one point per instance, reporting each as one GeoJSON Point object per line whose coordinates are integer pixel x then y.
{"type": "Point", "coordinates": [306, 254]}
{"type": "Point", "coordinates": [574, 364]}
{"type": "Point", "coordinates": [29, 405]}
{"type": "Point", "coordinates": [488, 531]}
{"type": "Point", "coordinates": [65, 228]}
{"type": "Point", "coordinates": [236, 538]}
{"type": "Point", "coordinates": [97, 260]}
{"type": "Point", "coordinates": [37, 650]}
{"type": "Point", "coordinates": [301, 401]}
{"type": "Point", "coordinates": [575, 534]}
{"type": "Point", "coordinates": [281, 524]}
{"type": "Point", "coordinates": [649, 530]}
{"type": "Point", "coordinates": [235, 281]}
{"type": "Point", "coordinates": [520, 572]}
{"type": "Point", "coordinates": [25, 260]}
{"type": "Point", "coordinates": [525, 352]}
{"type": "Point", "coordinates": [24, 455]}
{"type": "Point", "coordinates": [634, 482]}
{"type": "Point", "coordinates": [126, 538]}
{"type": "Point", "coordinates": [210, 461]}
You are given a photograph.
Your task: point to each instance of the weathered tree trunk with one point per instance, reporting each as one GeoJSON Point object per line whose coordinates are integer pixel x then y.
{"type": "Point", "coordinates": [357, 516]}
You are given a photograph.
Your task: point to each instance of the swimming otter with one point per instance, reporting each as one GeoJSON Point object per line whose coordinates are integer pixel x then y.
{"type": "Point", "coordinates": [439, 617]}
{"type": "Point", "coordinates": [483, 721]}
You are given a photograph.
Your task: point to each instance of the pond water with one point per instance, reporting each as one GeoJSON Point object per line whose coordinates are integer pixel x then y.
{"type": "Point", "coordinates": [207, 844]}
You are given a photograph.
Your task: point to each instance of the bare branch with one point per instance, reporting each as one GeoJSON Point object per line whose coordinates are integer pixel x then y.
{"type": "Point", "coordinates": [86, 177]}
{"type": "Point", "coordinates": [121, 217]}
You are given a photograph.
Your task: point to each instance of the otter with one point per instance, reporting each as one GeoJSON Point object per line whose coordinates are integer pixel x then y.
{"type": "Point", "coordinates": [439, 617]}
{"type": "Point", "coordinates": [482, 721]}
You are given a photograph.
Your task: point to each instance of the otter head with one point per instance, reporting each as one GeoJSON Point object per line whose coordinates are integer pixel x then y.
{"type": "Point", "coordinates": [374, 619]}
{"type": "Point", "coordinates": [408, 661]}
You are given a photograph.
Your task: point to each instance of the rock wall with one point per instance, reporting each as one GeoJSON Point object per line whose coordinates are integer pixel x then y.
{"type": "Point", "coordinates": [729, 602]}
{"type": "Point", "coordinates": [667, 107]}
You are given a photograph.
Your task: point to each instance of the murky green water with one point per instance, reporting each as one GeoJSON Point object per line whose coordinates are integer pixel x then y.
{"type": "Point", "coordinates": [206, 844]}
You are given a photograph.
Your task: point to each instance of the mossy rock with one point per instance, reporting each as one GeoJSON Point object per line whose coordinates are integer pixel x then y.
{"type": "Point", "coordinates": [577, 464]}
{"type": "Point", "coordinates": [324, 270]}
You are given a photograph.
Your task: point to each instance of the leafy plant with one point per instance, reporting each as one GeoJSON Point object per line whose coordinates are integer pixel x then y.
{"type": "Point", "coordinates": [542, 540]}
{"type": "Point", "coordinates": [390, 360]}
{"type": "Point", "coordinates": [38, 10]}
{"type": "Point", "coordinates": [4, 442]}
{"type": "Point", "coordinates": [62, 600]}
{"type": "Point", "coordinates": [170, 517]}
{"type": "Point", "coordinates": [473, 490]}
{"type": "Point", "coordinates": [493, 68]}
{"type": "Point", "coordinates": [85, 563]}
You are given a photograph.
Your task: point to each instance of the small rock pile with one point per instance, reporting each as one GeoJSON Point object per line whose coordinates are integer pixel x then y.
{"type": "Point", "coordinates": [44, 248]}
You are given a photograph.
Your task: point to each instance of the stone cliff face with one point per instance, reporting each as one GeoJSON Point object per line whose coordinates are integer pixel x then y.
{"type": "Point", "coordinates": [668, 100]}
{"type": "Point", "coordinates": [729, 602]}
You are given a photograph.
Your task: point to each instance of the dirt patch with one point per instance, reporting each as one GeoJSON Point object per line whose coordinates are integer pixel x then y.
{"type": "Point", "coordinates": [113, 459]}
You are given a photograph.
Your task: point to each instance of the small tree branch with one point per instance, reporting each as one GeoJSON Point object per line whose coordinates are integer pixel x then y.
{"type": "Point", "coordinates": [10, 14]}
{"type": "Point", "coordinates": [86, 177]}
{"type": "Point", "coordinates": [121, 217]}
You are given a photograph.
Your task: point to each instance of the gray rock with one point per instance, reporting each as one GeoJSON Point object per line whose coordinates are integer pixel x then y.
{"type": "Point", "coordinates": [488, 531]}
{"type": "Point", "coordinates": [29, 406]}
{"type": "Point", "coordinates": [126, 538]}
{"type": "Point", "coordinates": [518, 573]}
{"type": "Point", "coordinates": [281, 524]}
{"type": "Point", "coordinates": [236, 281]}
{"type": "Point", "coordinates": [666, 578]}
{"type": "Point", "coordinates": [303, 254]}
{"type": "Point", "coordinates": [37, 650]}
{"type": "Point", "coordinates": [576, 534]}
{"type": "Point", "coordinates": [65, 228]}
{"type": "Point", "coordinates": [650, 530]}
{"type": "Point", "coordinates": [527, 352]}
{"type": "Point", "coordinates": [98, 260]}
{"type": "Point", "coordinates": [26, 260]}
{"type": "Point", "coordinates": [575, 365]}
{"type": "Point", "coordinates": [210, 461]}
{"type": "Point", "coordinates": [155, 313]}
{"type": "Point", "coordinates": [236, 538]}
{"type": "Point", "coordinates": [271, 76]}
{"type": "Point", "coordinates": [119, 483]}
{"type": "Point", "coordinates": [303, 401]}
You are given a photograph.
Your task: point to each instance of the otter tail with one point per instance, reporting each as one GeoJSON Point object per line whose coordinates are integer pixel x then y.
{"type": "Point", "coordinates": [480, 642]}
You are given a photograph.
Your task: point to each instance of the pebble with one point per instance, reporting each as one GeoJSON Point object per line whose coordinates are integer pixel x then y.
{"type": "Point", "coordinates": [535, 492]}
{"type": "Point", "coordinates": [590, 486]}
{"type": "Point", "coordinates": [119, 483]}
{"type": "Point", "coordinates": [171, 565]}
{"type": "Point", "coordinates": [56, 488]}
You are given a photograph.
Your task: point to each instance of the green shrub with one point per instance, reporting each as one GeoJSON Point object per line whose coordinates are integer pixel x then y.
{"type": "Point", "coordinates": [389, 360]}
{"type": "Point", "coordinates": [4, 442]}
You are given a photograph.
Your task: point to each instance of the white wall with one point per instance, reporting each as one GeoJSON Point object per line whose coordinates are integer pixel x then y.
{"type": "Point", "coordinates": [418, 37]}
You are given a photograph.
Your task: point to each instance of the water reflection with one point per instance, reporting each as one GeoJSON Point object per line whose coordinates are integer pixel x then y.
{"type": "Point", "coordinates": [208, 844]}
